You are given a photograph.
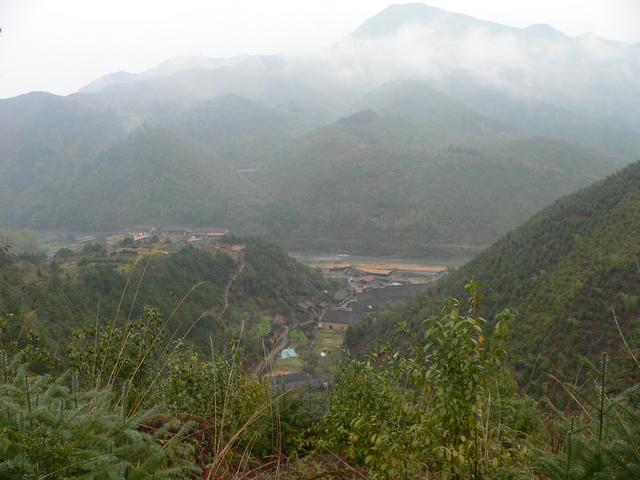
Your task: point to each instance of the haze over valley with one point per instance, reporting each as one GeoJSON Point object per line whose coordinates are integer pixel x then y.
{"type": "Point", "coordinates": [421, 128]}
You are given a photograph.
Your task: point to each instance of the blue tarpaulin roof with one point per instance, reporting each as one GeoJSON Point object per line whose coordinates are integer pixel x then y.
{"type": "Point", "coordinates": [288, 353]}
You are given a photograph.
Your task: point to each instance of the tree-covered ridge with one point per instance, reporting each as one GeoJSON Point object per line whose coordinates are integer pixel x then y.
{"type": "Point", "coordinates": [151, 175]}
{"type": "Point", "coordinates": [243, 132]}
{"type": "Point", "coordinates": [186, 286]}
{"type": "Point", "coordinates": [379, 180]}
{"type": "Point", "coordinates": [564, 271]}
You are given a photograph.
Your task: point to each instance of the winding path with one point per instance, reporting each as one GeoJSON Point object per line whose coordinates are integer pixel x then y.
{"type": "Point", "coordinates": [229, 283]}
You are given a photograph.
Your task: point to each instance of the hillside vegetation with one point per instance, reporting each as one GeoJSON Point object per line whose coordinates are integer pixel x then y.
{"type": "Point", "coordinates": [565, 272]}
{"type": "Point", "coordinates": [186, 286]}
{"type": "Point", "coordinates": [407, 181]}
{"type": "Point", "coordinates": [448, 407]}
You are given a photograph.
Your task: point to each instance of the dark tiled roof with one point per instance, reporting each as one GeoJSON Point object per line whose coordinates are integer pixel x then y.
{"type": "Point", "coordinates": [210, 230]}
{"type": "Point", "coordinates": [341, 294]}
{"type": "Point", "coordinates": [391, 294]}
{"type": "Point", "coordinates": [296, 380]}
{"type": "Point", "coordinates": [342, 316]}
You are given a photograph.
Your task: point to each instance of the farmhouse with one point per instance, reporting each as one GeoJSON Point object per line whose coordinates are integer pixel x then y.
{"type": "Point", "coordinates": [305, 307]}
{"type": "Point", "coordinates": [392, 294]}
{"type": "Point", "coordinates": [339, 320]}
{"type": "Point", "coordinates": [142, 232]}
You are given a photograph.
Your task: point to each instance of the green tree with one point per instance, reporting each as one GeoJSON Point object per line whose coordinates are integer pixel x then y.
{"type": "Point", "coordinates": [52, 428]}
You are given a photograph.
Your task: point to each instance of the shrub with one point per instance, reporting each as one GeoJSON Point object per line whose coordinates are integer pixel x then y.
{"type": "Point", "coordinates": [235, 404]}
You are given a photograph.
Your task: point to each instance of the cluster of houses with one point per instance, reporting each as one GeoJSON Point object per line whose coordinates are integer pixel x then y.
{"type": "Point", "coordinates": [366, 289]}
{"type": "Point", "coordinates": [354, 301]}
{"type": "Point", "coordinates": [140, 233]}
{"type": "Point", "coordinates": [350, 304]}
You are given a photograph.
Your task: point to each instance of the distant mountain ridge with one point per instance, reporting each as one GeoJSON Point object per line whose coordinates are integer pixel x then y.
{"type": "Point", "coordinates": [397, 139]}
{"type": "Point", "coordinates": [538, 61]}
{"type": "Point", "coordinates": [395, 176]}
{"type": "Point", "coordinates": [168, 67]}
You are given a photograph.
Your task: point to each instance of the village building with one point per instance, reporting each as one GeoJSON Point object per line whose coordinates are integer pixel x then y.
{"type": "Point", "coordinates": [142, 232]}
{"type": "Point", "coordinates": [393, 294]}
{"type": "Point", "coordinates": [306, 307]}
{"type": "Point", "coordinates": [342, 295]}
{"type": "Point", "coordinates": [210, 233]}
{"type": "Point", "coordinates": [338, 320]}
{"type": "Point", "coordinates": [175, 231]}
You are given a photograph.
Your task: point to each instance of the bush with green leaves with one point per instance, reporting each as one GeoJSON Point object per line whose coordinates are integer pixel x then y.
{"type": "Point", "coordinates": [129, 355]}
{"type": "Point", "coordinates": [449, 406]}
{"type": "Point", "coordinates": [377, 421]}
{"type": "Point", "coordinates": [235, 405]}
{"type": "Point", "coordinates": [51, 428]}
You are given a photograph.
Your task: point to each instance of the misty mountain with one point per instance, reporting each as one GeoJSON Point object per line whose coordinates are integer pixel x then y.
{"type": "Point", "coordinates": [402, 179]}
{"type": "Point", "coordinates": [151, 175]}
{"type": "Point", "coordinates": [423, 127]}
{"type": "Point", "coordinates": [584, 89]}
{"type": "Point", "coordinates": [166, 68]}
{"type": "Point", "coordinates": [243, 131]}
{"type": "Point", "coordinates": [536, 117]}
{"type": "Point", "coordinates": [270, 80]}
{"type": "Point", "coordinates": [44, 121]}
{"type": "Point", "coordinates": [440, 115]}
{"type": "Point", "coordinates": [594, 79]}
{"type": "Point", "coordinates": [388, 22]}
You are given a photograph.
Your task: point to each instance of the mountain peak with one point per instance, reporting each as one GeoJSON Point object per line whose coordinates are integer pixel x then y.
{"type": "Point", "coordinates": [544, 30]}
{"type": "Point", "coordinates": [396, 16]}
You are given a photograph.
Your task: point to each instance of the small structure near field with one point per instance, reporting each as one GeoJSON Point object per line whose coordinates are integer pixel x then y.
{"type": "Point", "coordinates": [288, 353]}
{"type": "Point", "coordinates": [343, 295]}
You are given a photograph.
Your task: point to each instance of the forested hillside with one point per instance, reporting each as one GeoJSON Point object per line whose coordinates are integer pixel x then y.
{"type": "Point", "coordinates": [406, 181]}
{"type": "Point", "coordinates": [152, 174]}
{"type": "Point", "coordinates": [52, 298]}
{"type": "Point", "coordinates": [448, 405]}
{"type": "Point", "coordinates": [565, 272]}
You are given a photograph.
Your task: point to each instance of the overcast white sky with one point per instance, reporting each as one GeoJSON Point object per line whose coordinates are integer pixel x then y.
{"type": "Point", "coordinates": [60, 45]}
